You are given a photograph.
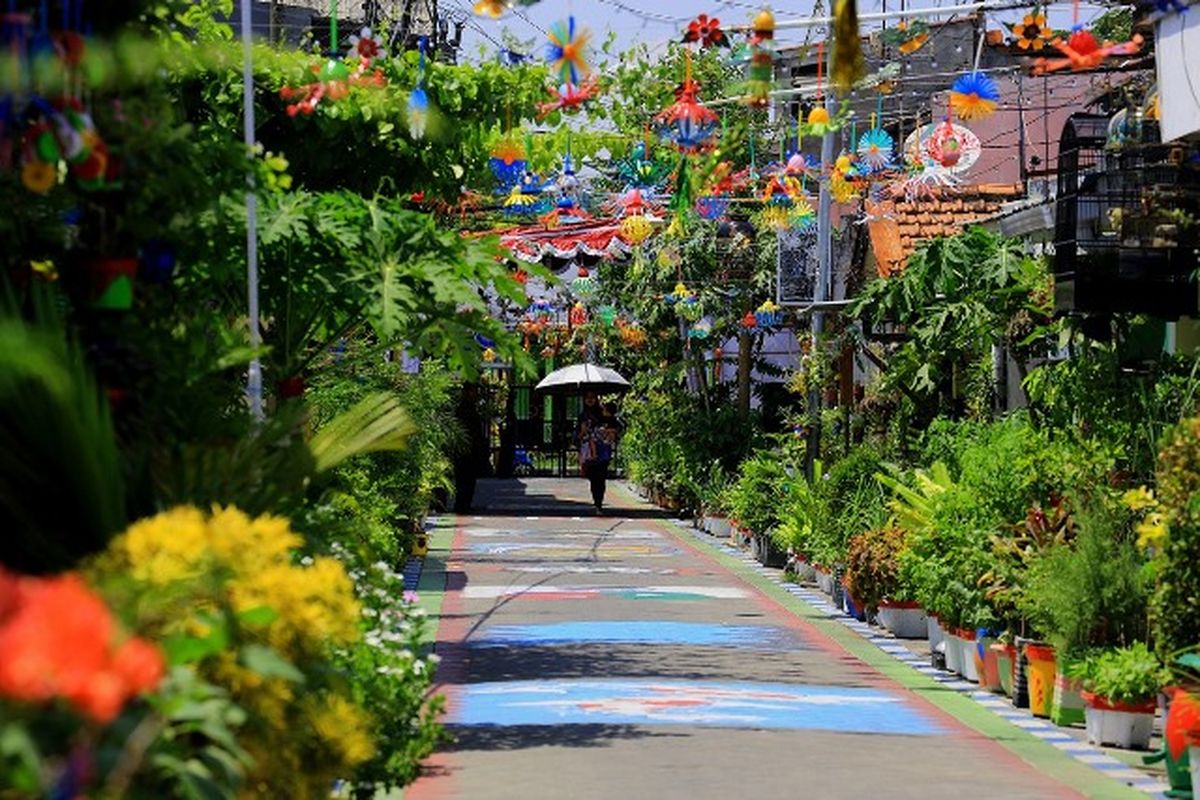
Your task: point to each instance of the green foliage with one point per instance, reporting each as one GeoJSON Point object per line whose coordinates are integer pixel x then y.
{"type": "Point", "coordinates": [873, 566]}
{"type": "Point", "coordinates": [757, 495]}
{"type": "Point", "coordinates": [1176, 604]}
{"type": "Point", "coordinates": [1094, 592]}
{"type": "Point", "coordinates": [1130, 674]}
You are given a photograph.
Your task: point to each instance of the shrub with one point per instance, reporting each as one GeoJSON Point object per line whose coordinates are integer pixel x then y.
{"type": "Point", "coordinates": [1176, 604]}
{"type": "Point", "coordinates": [873, 566]}
{"type": "Point", "coordinates": [1130, 674]}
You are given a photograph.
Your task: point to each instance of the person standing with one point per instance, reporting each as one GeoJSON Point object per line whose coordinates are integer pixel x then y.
{"type": "Point", "coordinates": [471, 460]}
{"type": "Point", "coordinates": [596, 432]}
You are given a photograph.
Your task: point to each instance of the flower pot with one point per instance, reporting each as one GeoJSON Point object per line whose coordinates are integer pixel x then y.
{"type": "Point", "coordinates": [804, 571]}
{"type": "Point", "coordinates": [1194, 759]}
{"type": "Point", "coordinates": [954, 652]}
{"type": "Point", "coordinates": [852, 608]}
{"type": "Point", "coordinates": [824, 581]}
{"type": "Point", "coordinates": [905, 620]}
{"type": "Point", "coordinates": [989, 664]}
{"type": "Point", "coordinates": [1067, 706]}
{"type": "Point", "coordinates": [1118, 724]}
{"type": "Point", "coordinates": [1005, 664]}
{"type": "Point", "coordinates": [1041, 678]}
{"type": "Point", "coordinates": [1179, 742]}
{"type": "Point", "coordinates": [719, 527]}
{"type": "Point", "coordinates": [111, 282]}
{"type": "Point", "coordinates": [934, 631]}
{"type": "Point", "coordinates": [968, 656]}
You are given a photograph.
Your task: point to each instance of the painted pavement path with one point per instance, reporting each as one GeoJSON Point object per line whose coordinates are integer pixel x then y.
{"type": "Point", "coordinates": [599, 657]}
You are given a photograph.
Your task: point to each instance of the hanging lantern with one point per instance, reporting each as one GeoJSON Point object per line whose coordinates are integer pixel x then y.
{"type": "Point", "coordinates": [687, 123]}
{"type": "Point", "coordinates": [636, 229]}
{"type": "Point", "coordinates": [945, 145]}
{"type": "Point", "coordinates": [974, 96]}
{"type": "Point", "coordinates": [584, 284]}
{"type": "Point", "coordinates": [508, 162]}
{"type": "Point", "coordinates": [607, 314]}
{"type": "Point", "coordinates": [633, 335]}
{"type": "Point", "coordinates": [768, 315]}
{"type": "Point", "coordinates": [678, 294]}
{"type": "Point", "coordinates": [689, 308]}
{"type": "Point", "coordinates": [761, 74]}
{"type": "Point", "coordinates": [577, 317]}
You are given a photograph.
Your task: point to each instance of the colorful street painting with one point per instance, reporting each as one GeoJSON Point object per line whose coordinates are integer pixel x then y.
{"type": "Point", "coordinates": [705, 704]}
{"type": "Point", "coordinates": [567, 550]}
{"type": "Point", "coordinates": [545, 592]}
{"type": "Point", "coordinates": [660, 632]}
{"type": "Point", "coordinates": [630, 535]}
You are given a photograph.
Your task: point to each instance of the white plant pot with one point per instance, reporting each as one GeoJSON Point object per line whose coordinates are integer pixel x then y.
{"type": "Point", "coordinates": [953, 653]}
{"type": "Point", "coordinates": [935, 632]}
{"type": "Point", "coordinates": [969, 669]}
{"type": "Point", "coordinates": [904, 623]}
{"type": "Point", "coordinates": [805, 572]}
{"type": "Point", "coordinates": [720, 527]}
{"type": "Point", "coordinates": [1123, 729]}
{"type": "Point", "coordinates": [1194, 759]}
{"type": "Point", "coordinates": [825, 582]}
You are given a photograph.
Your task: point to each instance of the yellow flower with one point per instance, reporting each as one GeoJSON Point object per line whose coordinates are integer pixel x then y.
{"type": "Point", "coordinates": [1139, 498]}
{"type": "Point", "coordinates": [342, 726]}
{"type": "Point", "coordinates": [171, 546]}
{"type": "Point", "coordinates": [1152, 531]}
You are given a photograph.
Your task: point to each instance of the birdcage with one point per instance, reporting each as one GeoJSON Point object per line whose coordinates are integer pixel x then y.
{"type": "Point", "coordinates": [1126, 225]}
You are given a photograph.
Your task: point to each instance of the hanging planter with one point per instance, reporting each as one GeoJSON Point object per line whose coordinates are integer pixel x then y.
{"type": "Point", "coordinates": [904, 619]}
{"type": "Point", "coordinates": [1127, 725]}
{"type": "Point", "coordinates": [110, 282]}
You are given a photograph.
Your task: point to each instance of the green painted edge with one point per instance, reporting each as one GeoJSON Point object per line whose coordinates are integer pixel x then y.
{"type": "Point", "coordinates": [431, 587]}
{"type": "Point", "coordinates": [1042, 756]}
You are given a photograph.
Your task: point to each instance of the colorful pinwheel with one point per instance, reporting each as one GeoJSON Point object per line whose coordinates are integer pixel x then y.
{"type": "Point", "coordinates": [569, 97]}
{"type": "Point", "coordinates": [875, 149]}
{"type": "Point", "coordinates": [974, 96]}
{"type": "Point", "coordinates": [567, 51]}
{"type": "Point", "coordinates": [707, 31]}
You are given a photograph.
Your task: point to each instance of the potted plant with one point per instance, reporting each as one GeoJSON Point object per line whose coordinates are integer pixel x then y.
{"type": "Point", "coordinates": [873, 578]}
{"type": "Point", "coordinates": [1006, 663]}
{"type": "Point", "coordinates": [1120, 691]}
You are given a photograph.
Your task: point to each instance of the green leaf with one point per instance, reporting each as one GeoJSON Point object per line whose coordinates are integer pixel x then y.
{"type": "Point", "coordinates": [259, 616]}
{"type": "Point", "coordinates": [268, 663]}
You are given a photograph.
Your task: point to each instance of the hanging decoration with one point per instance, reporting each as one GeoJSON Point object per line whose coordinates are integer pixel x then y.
{"type": "Point", "coordinates": [418, 100]}
{"type": "Point", "coordinates": [711, 207]}
{"type": "Point", "coordinates": [777, 204]}
{"type": "Point", "coordinates": [974, 96]}
{"type": "Point", "coordinates": [768, 315]}
{"type": "Point", "coordinates": [541, 312]}
{"type": "Point", "coordinates": [687, 123]}
{"type": "Point", "coordinates": [705, 31]}
{"type": "Point", "coordinates": [584, 284]}
{"type": "Point", "coordinates": [907, 37]}
{"type": "Point", "coordinates": [567, 52]}
{"type": "Point", "coordinates": [633, 335]}
{"type": "Point", "coordinates": [607, 315]}
{"type": "Point", "coordinates": [365, 47]}
{"type": "Point", "coordinates": [577, 317]}
{"type": "Point", "coordinates": [875, 150]}
{"type": "Point", "coordinates": [848, 66]}
{"type": "Point", "coordinates": [819, 121]}
{"type": "Point", "coordinates": [761, 73]}
{"type": "Point", "coordinates": [508, 162]}
{"type": "Point", "coordinates": [1032, 33]}
{"type": "Point", "coordinates": [749, 321]}
{"type": "Point", "coordinates": [640, 171]}
{"type": "Point", "coordinates": [702, 329]}
{"type": "Point", "coordinates": [491, 8]}
{"type": "Point", "coordinates": [1083, 52]}
{"type": "Point", "coordinates": [569, 97]}
{"type": "Point", "coordinates": [946, 145]}
{"type": "Point", "coordinates": [333, 77]}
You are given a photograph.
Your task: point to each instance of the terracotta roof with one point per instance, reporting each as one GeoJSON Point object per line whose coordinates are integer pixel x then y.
{"type": "Point", "coordinates": [898, 226]}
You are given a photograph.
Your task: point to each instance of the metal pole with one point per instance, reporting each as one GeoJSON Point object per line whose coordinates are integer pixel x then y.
{"type": "Point", "coordinates": [824, 268]}
{"type": "Point", "coordinates": [254, 392]}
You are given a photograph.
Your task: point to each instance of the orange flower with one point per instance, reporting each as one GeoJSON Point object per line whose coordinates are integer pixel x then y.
{"type": "Point", "coordinates": [57, 638]}
{"type": "Point", "coordinates": [1032, 32]}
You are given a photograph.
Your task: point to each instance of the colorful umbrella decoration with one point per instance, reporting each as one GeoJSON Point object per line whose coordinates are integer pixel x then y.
{"type": "Point", "coordinates": [1032, 32]}
{"type": "Point", "coordinates": [567, 52]}
{"type": "Point", "coordinates": [974, 96]}
{"type": "Point", "coordinates": [706, 31]}
{"type": "Point", "coordinates": [687, 123]}
{"type": "Point", "coordinates": [418, 100]}
{"type": "Point", "coordinates": [761, 75]}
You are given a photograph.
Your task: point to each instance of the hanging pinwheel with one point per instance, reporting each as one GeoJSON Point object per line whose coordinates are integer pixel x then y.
{"type": "Point", "coordinates": [569, 97]}
{"type": "Point", "coordinates": [706, 31]}
{"type": "Point", "coordinates": [418, 100]}
{"type": "Point", "coordinates": [760, 79]}
{"type": "Point", "coordinates": [1083, 52]}
{"type": "Point", "coordinates": [567, 52]}
{"type": "Point", "coordinates": [875, 150]}
{"type": "Point", "coordinates": [687, 123]}
{"type": "Point", "coordinates": [974, 96]}
{"type": "Point", "coordinates": [1032, 33]}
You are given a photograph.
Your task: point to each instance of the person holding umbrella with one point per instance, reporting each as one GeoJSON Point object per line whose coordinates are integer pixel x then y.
{"type": "Point", "coordinates": [596, 432]}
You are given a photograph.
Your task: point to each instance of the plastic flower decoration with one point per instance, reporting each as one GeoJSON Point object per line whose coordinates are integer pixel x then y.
{"type": "Point", "coordinates": [1032, 32]}
{"type": "Point", "coordinates": [418, 100]}
{"type": "Point", "coordinates": [584, 284]}
{"type": "Point", "coordinates": [907, 37]}
{"type": "Point", "coordinates": [491, 8]}
{"type": "Point", "coordinates": [706, 31]}
{"type": "Point", "coordinates": [508, 162]}
{"type": "Point", "coordinates": [567, 51]}
{"type": "Point", "coordinates": [1084, 53]}
{"type": "Point", "coordinates": [364, 46]}
{"type": "Point", "coordinates": [687, 123]}
{"type": "Point", "coordinates": [568, 97]}
{"type": "Point", "coordinates": [875, 149]}
{"type": "Point", "coordinates": [768, 315]}
{"type": "Point", "coordinates": [974, 96]}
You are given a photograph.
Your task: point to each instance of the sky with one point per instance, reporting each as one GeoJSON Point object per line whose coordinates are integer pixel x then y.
{"type": "Point", "coordinates": [654, 22]}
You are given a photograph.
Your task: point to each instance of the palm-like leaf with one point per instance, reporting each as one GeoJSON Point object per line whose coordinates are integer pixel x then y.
{"type": "Point", "coordinates": [375, 423]}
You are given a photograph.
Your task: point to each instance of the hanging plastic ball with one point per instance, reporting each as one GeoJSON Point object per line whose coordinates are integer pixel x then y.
{"type": "Point", "coordinates": [636, 229]}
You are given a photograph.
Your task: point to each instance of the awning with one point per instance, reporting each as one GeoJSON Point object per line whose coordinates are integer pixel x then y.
{"type": "Point", "coordinates": [598, 239]}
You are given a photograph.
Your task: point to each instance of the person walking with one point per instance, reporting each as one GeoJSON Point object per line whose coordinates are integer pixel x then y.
{"type": "Point", "coordinates": [596, 432]}
{"type": "Point", "coordinates": [471, 460]}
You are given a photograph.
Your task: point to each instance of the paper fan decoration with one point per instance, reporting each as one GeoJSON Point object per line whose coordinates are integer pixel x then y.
{"type": "Point", "coordinates": [706, 31]}
{"type": "Point", "coordinates": [974, 96]}
{"type": "Point", "coordinates": [567, 51]}
{"type": "Point", "coordinates": [875, 149]}
{"type": "Point", "coordinates": [687, 123]}
{"type": "Point", "coordinates": [947, 145]}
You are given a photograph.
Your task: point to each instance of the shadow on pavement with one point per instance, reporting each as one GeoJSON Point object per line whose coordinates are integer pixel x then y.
{"type": "Point", "coordinates": [520, 737]}
{"type": "Point", "coordinates": [521, 497]}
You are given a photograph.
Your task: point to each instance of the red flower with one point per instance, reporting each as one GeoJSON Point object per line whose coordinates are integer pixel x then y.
{"type": "Point", "coordinates": [707, 31]}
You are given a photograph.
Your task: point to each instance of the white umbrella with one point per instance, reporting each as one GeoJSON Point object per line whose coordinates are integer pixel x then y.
{"type": "Point", "coordinates": [584, 377]}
